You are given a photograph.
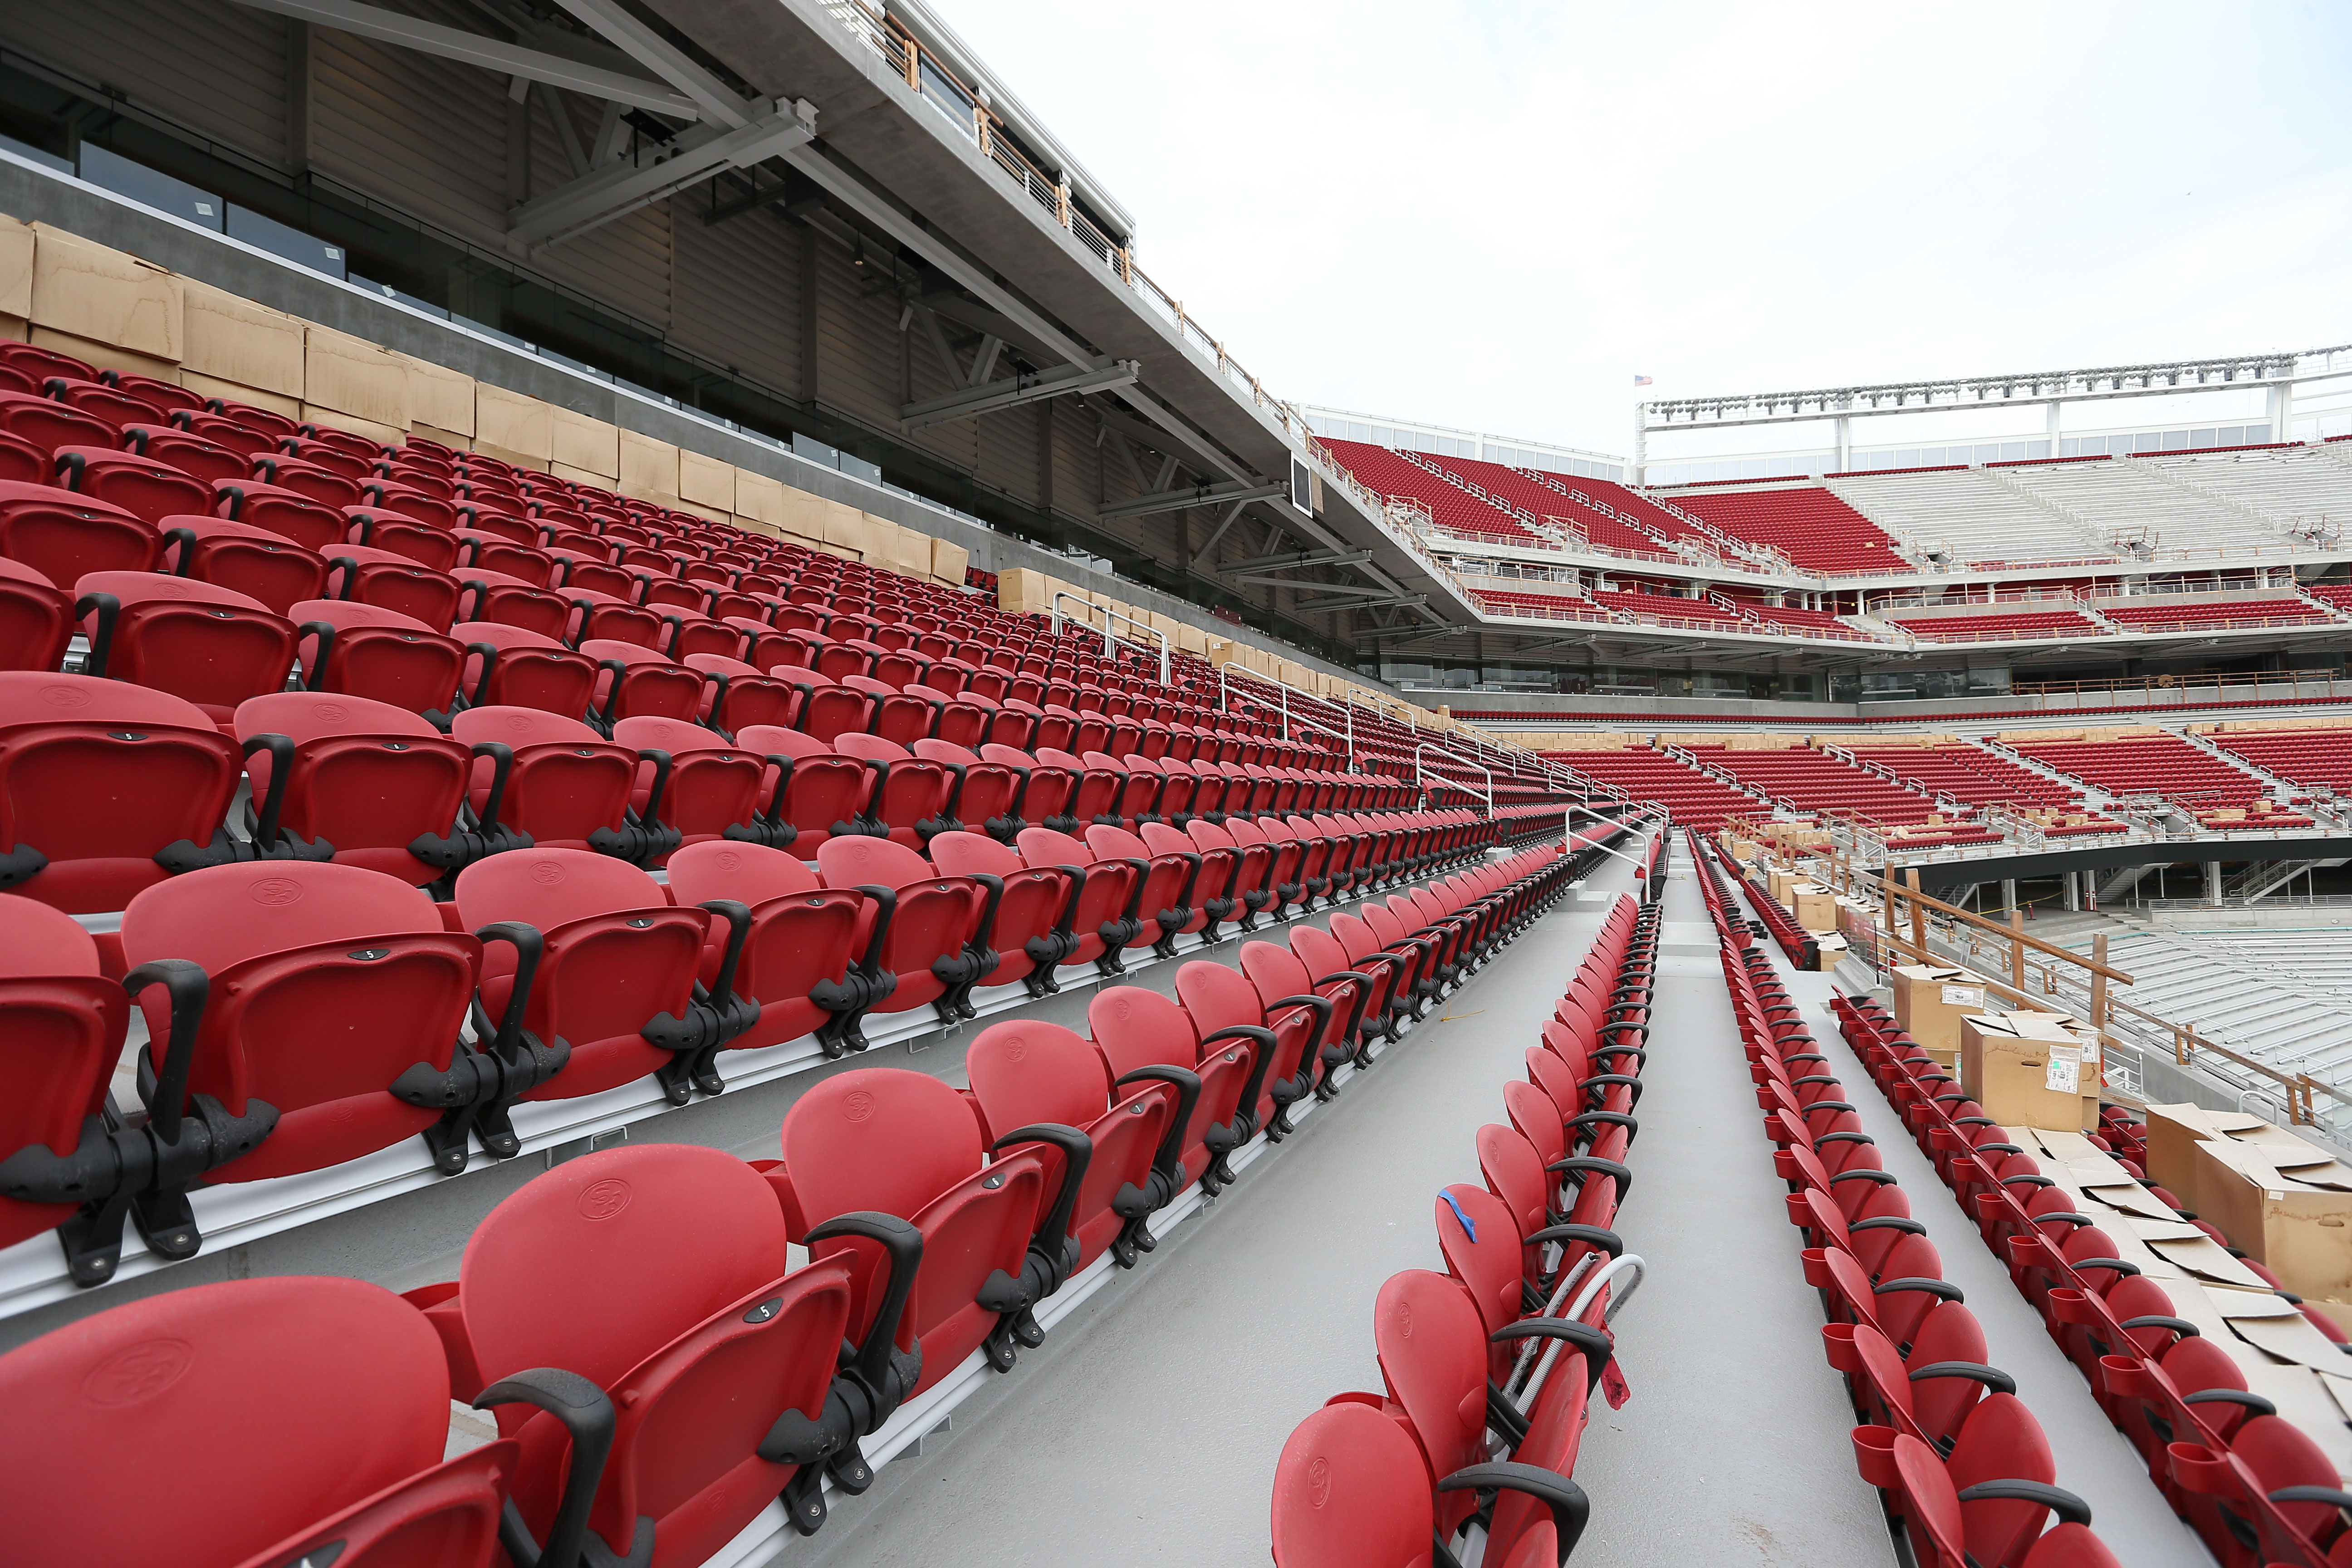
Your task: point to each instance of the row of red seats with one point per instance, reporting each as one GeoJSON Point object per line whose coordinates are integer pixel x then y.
{"type": "Point", "coordinates": [595, 974]}
{"type": "Point", "coordinates": [1961, 1464]}
{"type": "Point", "coordinates": [107, 787]}
{"type": "Point", "coordinates": [1697, 799]}
{"type": "Point", "coordinates": [1970, 775]}
{"type": "Point", "coordinates": [1809, 781]}
{"type": "Point", "coordinates": [2155, 764]}
{"type": "Point", "coordinates": [660, 1371]}
{"type": "Point", "coordinates": [2254, 1485]}
{"type": "Point", "coordinates": [1489, 1368]}
{"type": "Point", "coordinates": [2305, 756]}
{"type": "Point", "coordinates": [1812, 528]}
{"type": "Point", "coordinates": [2001, 626]}
{"type": "Point", "coordinates": [2183, 618]}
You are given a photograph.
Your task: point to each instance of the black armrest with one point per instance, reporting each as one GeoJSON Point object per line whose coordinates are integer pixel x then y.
{"type": "Point", "coordinates": [1569, 1506]}
{"type": "Point", "coordinates": [1992, 1377]}
{"type": "Point", "coordinates": [588, 1416]}
{"type": "Point", "coordinates": [1169, 1158]}
{"type": "Point", "coordinates": [2181, 1326]}
{"type": "Point", "coordinates": [2070, 1508]}
{"type": "Point", "coordinates": [1942, 1289]}
{"type": "Point", "coordinates": [1077, 1151]}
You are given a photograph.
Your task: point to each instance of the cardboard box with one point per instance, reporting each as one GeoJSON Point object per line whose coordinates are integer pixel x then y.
{"type": "Point", "coordinates": [2175, 1131]}
{"type": "Point", "coordinates": [581, 475]}
{"type": "Point", "coordinates": [588, 445]}
{"type": "Point", "coordinates": [756, 495]}
{"type": "Point", "coordinates": [351, 375]}
{"type": "Point", "coordinates": [16, 268]}
{"type": "Point", "coordinates": [705, 481]}
{"type": "Point", "coordinates": [335, 419]}
{"type": "Point", "coordinates": [2298, 1223]}
{"type": "Point", "coordinates": [648, 468]}
{"type": "Point", "coordinates": [1828, 950]}
{"type": "Point", "coordinates": [1814, 906]}
{"type": "Point", "coordinates": [1021, 591]}
{"type": "Point", "coordinates": [276, 403]}
{"type": "Point", "coordinates": [438, 396]}
{"type": "Point", "coordinates": [229, 338]}
{"type": "Point", "coordinates": [949, 562]}
{"type": "Point", "coordinates": [1930, 1002]}
{"type": "Point", "coordinates": [508, 422]}
{"type": "Point", "coordinates": [2018, 1066]}
{"type": "Point", "coordinates": [848, 532]}
{"type": "Point", "coordinates": [911, 552]}
{"type": "Point", "coordinates": [105, 296]}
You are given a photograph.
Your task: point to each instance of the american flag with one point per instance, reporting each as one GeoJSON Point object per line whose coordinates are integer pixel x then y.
{"type": "Point", "coordinates": [1641, 381]}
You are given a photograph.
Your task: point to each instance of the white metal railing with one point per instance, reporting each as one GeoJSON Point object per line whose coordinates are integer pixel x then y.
{"type": "Point", "coordinates": [1110, 640]}
{"type": "Point", "coordinates": [1420, 772]}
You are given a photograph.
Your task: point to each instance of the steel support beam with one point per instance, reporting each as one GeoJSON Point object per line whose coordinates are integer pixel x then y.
{"type": "Point", "coordinates": [1014, 390]}
{"type": "Point", "coordinates": [1291, 558]}
{"type": "Point", "coordinates": [622, 188]}
{"type": "Point", "coordinates": [719, 103]}
{"type": "Point", "coordinates": [488, 54]}
{"type": "Point", "coordinates": [1350, 600]}
{"type": "Point", "coordinates": [1196, 494]}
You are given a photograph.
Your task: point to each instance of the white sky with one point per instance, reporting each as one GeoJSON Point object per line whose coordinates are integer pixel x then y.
{"type": "Point", "coordinates": [1494, 215]}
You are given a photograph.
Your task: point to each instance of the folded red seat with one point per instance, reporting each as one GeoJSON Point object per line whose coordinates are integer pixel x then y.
{"type": "Point", "coordinates": [702, 1327]}
{"type": "Point", "coordinates": [165, 1386]}
{"type": "Point", "coordinates": [691, 784]}
{"type": "Point", "coordinates": [1032, 909]}
{"type": "Point", "coordinates": [616, 975]}
{"type": "Point", "coordinates": [1109, 896]}
{"type": "Point", "coordinates": [1029, 1075]}
{"type": "Point", "coordinates": [36, 620]}
{"type": "Point", "coordinates": [159, 765]}
{"type": "Point", "coordinates": [1215, 1069]}
{"type": "Point", "coordinates": [375, 786]}
{"type": "Point", "coordinates": [888, 1141]}
{"type": "Point", "coordinates": [815, 794]}
{"type": "Point", "coordinates": [917, 939]}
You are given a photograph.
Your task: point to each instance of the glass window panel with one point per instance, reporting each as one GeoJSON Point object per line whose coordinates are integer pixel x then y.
{"type": "Point", "coordinates": [2037, 448]}
{"type": "Point", "coordinates": [2013, 451]}
{"type": "Point", "coordinates": [2148, 441]}
{"type": "Point", "coordinates": [2070, 447]}
{"type": "Point", "coordinates": [2257, 433]}
{"type": "Point", "coordinates": [2203, 438]}
{"type": "Point", "coordinates": [1909, 458]}
{"type": "Point", "coordinates": [2176, 440]}
{"type": "Point", "coordinates": [2232, 435]}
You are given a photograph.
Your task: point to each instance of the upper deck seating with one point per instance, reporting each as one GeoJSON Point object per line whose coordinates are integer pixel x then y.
{"type": "Point", "coordinates": [1450, 508]}
{"type": "Point", "coordinates": [1999, 625]}
{"type": "Point", "coordinates": [1811, 526]}
{"type": "Point", "coordinates": [1697, 799]}
{"type": "Point", "coordinates": [2155, 614]}
{"type": "Point", "coordinates": [1806, 779]}
{"type": "Point", "coordinates": [2147, 765]}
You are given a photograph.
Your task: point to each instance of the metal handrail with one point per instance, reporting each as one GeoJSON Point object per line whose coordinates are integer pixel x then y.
{"type": "Point", "coordinates": [1225, 705]}
{"type": "Point", "coordinates": [1055, 606]}
{"type": "Point", "coordinates": [1421, 773]}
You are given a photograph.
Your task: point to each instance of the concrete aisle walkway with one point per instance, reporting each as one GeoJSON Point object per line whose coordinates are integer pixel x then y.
{"type": "Point", "coordinates": [1145, 1429]}
{"type": "Point", "coordinates": [2095, 1461]}
{"type": "Point", "coordinates": [1734, 1448]}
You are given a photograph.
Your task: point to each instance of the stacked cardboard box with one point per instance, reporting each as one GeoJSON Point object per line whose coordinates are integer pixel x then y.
{"type": "Point", "coordinates": [2031, 1069]}
{"type": "Point", "coordinates": [1929, 1003]}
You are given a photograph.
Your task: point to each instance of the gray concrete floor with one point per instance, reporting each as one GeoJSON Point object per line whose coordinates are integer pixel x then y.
{"type": "Point", "coordinates": [1145, 1429]}
{"type": "Point", "coordinates": [1734, 1448]}
{"type": "Point", "coordinates": [2095, 1461]}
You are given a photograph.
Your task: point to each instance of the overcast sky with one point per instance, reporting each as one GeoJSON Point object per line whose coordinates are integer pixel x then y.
{"type": "Point", "coordinates": [1494, 216]}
